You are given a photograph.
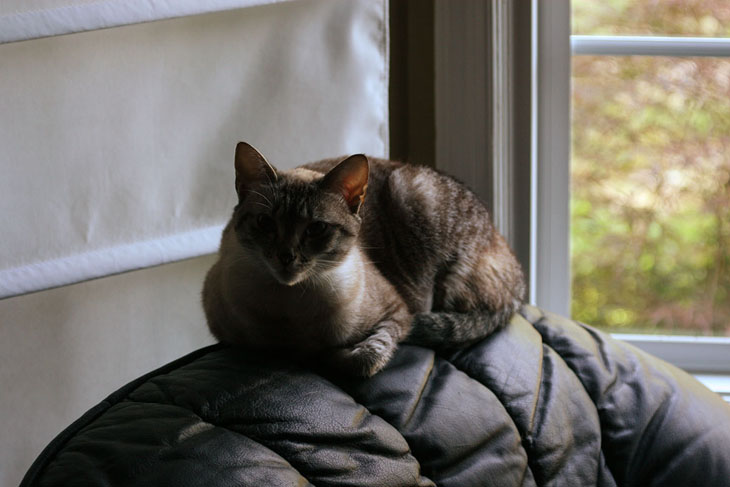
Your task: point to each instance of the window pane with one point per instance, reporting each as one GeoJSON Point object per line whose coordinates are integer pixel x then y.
{"type": "Point", "coordinates": [650, 212]}
{"type": "Point", "coordinates": [692, 18]}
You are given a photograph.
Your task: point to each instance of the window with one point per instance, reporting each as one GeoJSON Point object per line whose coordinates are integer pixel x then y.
{"type": "Point", "coordinates": [650, 167]}
{"type": "Point", "coordinates": [650, 145]}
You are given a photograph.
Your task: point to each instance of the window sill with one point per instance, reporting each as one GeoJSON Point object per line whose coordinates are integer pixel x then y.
{"type": "Point", "coordinates": [707, 358]}
{"type": "Point", "coordinates": [695, 354]}
{"type": "Point", "coordinates": [718, 383]}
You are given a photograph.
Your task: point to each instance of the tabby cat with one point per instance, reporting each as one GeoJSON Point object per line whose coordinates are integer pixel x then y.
{"type": "Point", "coordinates": [344, 259]}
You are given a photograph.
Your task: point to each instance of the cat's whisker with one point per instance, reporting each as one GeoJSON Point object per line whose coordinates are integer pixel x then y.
{"type": "Point", "coordinates": [268, 178]}
{"type": "Point", "coordinates": [304, 289]}
{"type": "Point", "coordinates": [268, 207]}
{"type": "Point", "coordinates": [262, 195]}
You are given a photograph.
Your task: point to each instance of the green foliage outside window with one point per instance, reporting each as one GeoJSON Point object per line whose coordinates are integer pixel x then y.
{"type": "Point", "coordinates": [650, 212]}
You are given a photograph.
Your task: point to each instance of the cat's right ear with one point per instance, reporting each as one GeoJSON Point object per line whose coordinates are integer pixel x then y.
{"type": "Point", "coordinates": [251, 168]}
{"type": "Point", "coordinates": [350, 180]}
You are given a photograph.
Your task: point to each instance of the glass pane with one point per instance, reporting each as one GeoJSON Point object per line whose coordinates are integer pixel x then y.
{"type": "Point", "coordinates": [689, 18]}
{"type": "Point", "coordinates": [650, 213]}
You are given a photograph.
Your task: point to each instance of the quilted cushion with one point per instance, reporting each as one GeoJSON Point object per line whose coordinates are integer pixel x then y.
{"type": "Point", "coordinates": [547, 401]}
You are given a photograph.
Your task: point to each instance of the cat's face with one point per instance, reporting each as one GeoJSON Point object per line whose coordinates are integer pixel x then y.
{"type": "Point", "coordinates": [297, 231]}
{"type": "Point", "coordinates": [297, 223]}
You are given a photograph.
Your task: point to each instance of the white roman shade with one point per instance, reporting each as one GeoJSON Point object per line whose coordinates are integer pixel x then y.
{"type": "Point", "coordinates": [30, 19]}
{"type": "Point", "coordinates": [117, 144]}
{"type": "Point", "coordinates": [118, 123]}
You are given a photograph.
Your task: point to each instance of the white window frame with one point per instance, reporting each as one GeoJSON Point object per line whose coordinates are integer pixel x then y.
{"type": "Point", "coordinates": [550, 271]}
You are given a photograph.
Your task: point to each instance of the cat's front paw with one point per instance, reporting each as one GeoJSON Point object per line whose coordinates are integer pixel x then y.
{"type": "Point", "coordinates": [360, 360]}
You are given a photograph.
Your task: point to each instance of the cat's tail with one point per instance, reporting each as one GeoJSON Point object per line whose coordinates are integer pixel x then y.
{"type": "Point", "coordinates": [449, 330]}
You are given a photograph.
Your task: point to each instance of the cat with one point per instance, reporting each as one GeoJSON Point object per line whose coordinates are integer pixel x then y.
{"type": "Point", "coordinates": [346, 258]}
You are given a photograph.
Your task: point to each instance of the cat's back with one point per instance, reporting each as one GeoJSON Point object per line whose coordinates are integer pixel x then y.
{"type": "Point", "coordinates": [422, 203]}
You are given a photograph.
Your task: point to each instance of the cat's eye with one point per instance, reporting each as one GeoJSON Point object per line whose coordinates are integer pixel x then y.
{"type": "Point", "coordinates": [316, 229]}
{"type": "Point", "coordinates": [265, 223]}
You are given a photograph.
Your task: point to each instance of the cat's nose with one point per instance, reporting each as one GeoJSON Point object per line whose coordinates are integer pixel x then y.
{"type": "Point", "coordinates": [286, 257]}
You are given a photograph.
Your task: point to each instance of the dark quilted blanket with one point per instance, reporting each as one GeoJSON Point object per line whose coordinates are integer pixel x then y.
{"type": "Point", "coordinates": [546, 401]}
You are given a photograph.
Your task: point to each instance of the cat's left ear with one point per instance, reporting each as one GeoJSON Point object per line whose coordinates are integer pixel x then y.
{"type": "Point", "coordinates": [349, 179]}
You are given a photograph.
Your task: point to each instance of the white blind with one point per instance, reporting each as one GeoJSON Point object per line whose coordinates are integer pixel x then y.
{"type": "Point", "coordinates": [118, 143]}
{"type": "Point", "coordinates": [31, 19]}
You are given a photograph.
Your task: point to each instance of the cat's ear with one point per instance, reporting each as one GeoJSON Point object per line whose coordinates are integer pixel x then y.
{"type": "Point", "coordinates": [350, 179]}
{"type": "Point", "coordinates": [251, 168]}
